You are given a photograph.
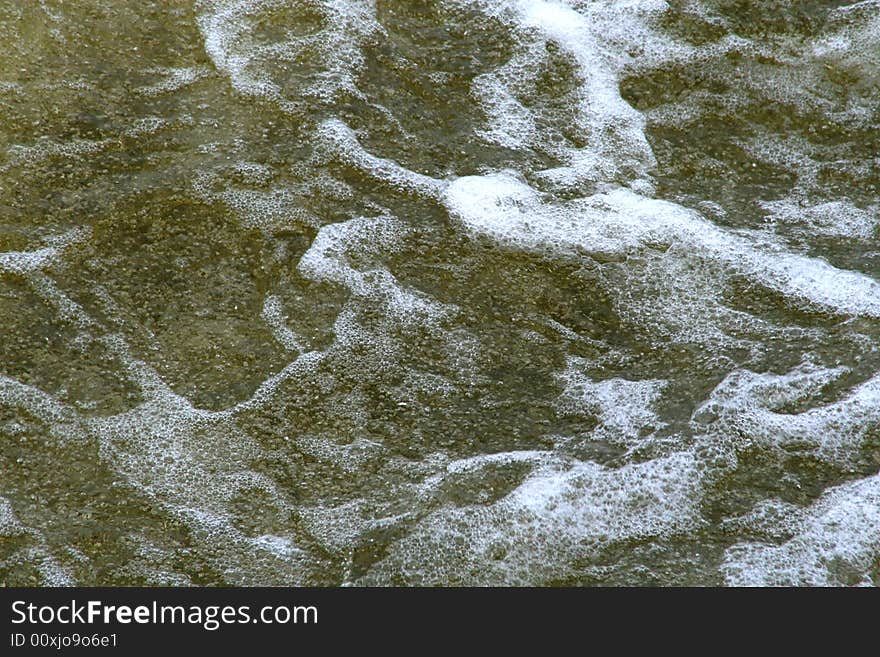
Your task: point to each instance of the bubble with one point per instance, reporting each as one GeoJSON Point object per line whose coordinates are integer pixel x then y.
{"type": "Point", "coordinates": [836, 543]}
{"type": "Point", "coordinates": [755, 407]}
{"type": "Point", "coordinates": [624, 408]}
{"type": "Point", "coordinates": [567, 512]}
{"type": "Point", "coordinates": [648, 288]}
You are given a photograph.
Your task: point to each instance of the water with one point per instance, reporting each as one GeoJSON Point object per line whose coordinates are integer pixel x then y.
{"type": "Point", "coordinates": [353, 292]}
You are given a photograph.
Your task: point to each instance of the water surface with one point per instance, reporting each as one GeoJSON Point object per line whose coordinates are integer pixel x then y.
{"type": "Point", "coordinates": [464, 292]}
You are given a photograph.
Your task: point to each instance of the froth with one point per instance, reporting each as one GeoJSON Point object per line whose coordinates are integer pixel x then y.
{"type": "Point", "coordinates": [509, 210]}
{"type": "Point", "coordinates": [565, 511]}
{"type": "Point", "coordinates": [328, 260]}
{"type": "Point", "coordinates": [596, 39]}
{"type": "Point", "coordinates": [753, 407]}
{"type": "Point", "coordinates": [34, 551]}
{"type": "Point", "coordinates": [231, 41]}
{"type": "Point", "coordinates": [344, 141]}
{"type": "Point", "coordinates": [25, 262]}
{"type": "Point", "coordinates": [836, 543]}
{"type": "Point", "coordinates": [273, 316]}
{"type": "Point", "coordinates": [363, 447]}
{"type": "Point", "coordinates": [839, 218]}
{"type": "Point", "coordinates": [173, 79]}
{"type": "Point", "coordinates": [623, 407]}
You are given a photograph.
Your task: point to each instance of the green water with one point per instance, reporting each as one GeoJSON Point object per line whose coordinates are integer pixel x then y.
{"type": "Point", "coordinates": [238, 348]}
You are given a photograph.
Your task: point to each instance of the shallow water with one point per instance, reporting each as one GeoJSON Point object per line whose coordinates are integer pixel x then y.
{"type": "Point", "coordinates": [519, 292]}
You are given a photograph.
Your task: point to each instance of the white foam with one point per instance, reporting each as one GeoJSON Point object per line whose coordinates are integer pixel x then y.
{"type": "Point", "coordinates": [281, 546]}
{"type": "Point", "coordinates": [254, 173]}
{"type": "Point", "coordinates": [667, 275]}
{"type": "Point", "coordinates": [270, 209]}
{"type": "Point", "coordinates": [619, 221]}
{"type": "Point", "coordinates": [25, 262]}
{"type": "Point", "coordinates": [174, 78]}
{"type": "Point", "coordinates": [596, 38]}
{"type": "Point", "coordinates": [254, 200]}
{"type": "Point", "coordinates": [153, 564]}
{"type": "Point", "coordinates": [510, 124]}
{"type": "Point", "coordinates": [565, 512]}
{"type": "Point", "coordinates": [224, 26]}
{"type": "Point", "coordinates": [351, 457]}
{"type": "Point", "coordinates": [35, 551]}
{"type": "Point", "coordinates": [67, 309]}
{"type": "Point", "coordinates": [148, 125]}
{"type": "Point", "coordinates": [304, 364]}
{"type": "Point", "coordinates": [749, 406]}
{"type": "Point", "coordinates": [274, 317]}
{"type": "Point", "coordinates": [854, 32]}
{"type": "Point", "coordinates": [349, 149]}
{"type": "Point", "coordinates": [190, 462]}
{"type": "Point", "coordinates": [832, 218]}
{"type": "Point", "coordinates": [53, 573]}
{"type": "Point", "coordinates": [623, 407]}
{"type": "Point", "coordinates": [20, 155]}
{"type": "Point", "coordinates": [352, 24]}
{"type": "Point", "coordinates": [63, 423]}
{"type": "Point", "coordinates": [772, 519]}
{"type": "Point", "coordinates": [22, 262]}
{"type": "Point", "coordinates": [9, 524]}
{"type": "Point", "coordinates": [478, 463]}
{"type": "Point", "coordinates": [837, 543]}
{"type": "Point", "coordinates": [193, 464]}
{"type": "Point", "coordinates": [328, 260]}
{"type": "Point", "coordinates": [228, 29]}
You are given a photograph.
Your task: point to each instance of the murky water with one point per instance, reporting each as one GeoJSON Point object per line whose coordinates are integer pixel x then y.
{"type": "Point", "coordinates": [454, 292]}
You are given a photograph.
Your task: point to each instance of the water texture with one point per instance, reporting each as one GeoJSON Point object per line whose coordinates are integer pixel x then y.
{"type": "Point", "coordinates": [462, 292]}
